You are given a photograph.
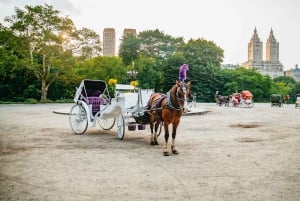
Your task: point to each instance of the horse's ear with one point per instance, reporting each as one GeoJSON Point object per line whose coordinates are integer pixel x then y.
{"type": "Point", "coordinates": [188, 84]}
{"type": "Point", "coordinates": [177, 83]}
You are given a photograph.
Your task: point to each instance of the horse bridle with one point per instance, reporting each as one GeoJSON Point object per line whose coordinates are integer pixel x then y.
{"type": "Point", "coordinates": [184, 91]}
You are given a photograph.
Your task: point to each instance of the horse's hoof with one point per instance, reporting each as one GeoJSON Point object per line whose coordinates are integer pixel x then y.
{"type": "Point", "coordinates": [175, 152]}
{"type": "Point", "coordinates": [166, 153]}
{"type": "Point", "coordinates": [152, 143]}
{"type": "Point", "coordinates": [156, 143]}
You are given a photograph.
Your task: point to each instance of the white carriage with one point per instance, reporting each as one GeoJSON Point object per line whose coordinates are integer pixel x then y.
{"type": "Point", "coordinates": [93, 106]}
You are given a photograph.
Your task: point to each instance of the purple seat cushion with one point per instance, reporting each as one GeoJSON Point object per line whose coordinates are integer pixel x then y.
{"type": "Point", "coordinates": [96, 102]}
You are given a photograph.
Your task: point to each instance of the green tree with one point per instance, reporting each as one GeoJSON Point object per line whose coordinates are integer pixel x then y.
{"type": "Point", "coordinates": [147, 74]}
{"type": "Point", "coordinates": [41, 27]}
{"type": "Point", "coordinates": [150, 49]}
{"type": "Point", "coordinates": [103, 68]}
{"type": "Point", "coordinates": [204, 58]}
{"type": "Point", "coordinates": [155, 44]}
{"type": "Point", "coordinates": [16, 82]}
{"type": "Point", "coordinates": [87, 44]}
{"type": "Point", "coordinates": [129, 48]}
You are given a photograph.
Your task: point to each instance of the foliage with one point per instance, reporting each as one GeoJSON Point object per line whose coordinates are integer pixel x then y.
{"type": "Point", "coordinates": [204, 58]}
{"type": "Point", "coordinates": [51, 43]}
{"type": "Point", "coordinates": [31, 101]}
{"type": "Point", "coordinates": [129, 48]}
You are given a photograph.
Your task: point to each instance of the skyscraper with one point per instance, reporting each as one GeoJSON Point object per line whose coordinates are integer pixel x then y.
{"type": "Point", "coordinates": [129, 31]}
{"type": "Point", "coordinates": [109, 42]}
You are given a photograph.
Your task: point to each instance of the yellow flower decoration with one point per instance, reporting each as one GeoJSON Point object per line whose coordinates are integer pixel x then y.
{"type": "Point", "coordinates": [134, 83]}
{"type": "Point", "coordinates": [112, 82]}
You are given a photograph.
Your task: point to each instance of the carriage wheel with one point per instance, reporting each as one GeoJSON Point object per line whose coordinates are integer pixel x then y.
{"type": "Point", "coordinates": [120, 126]}
{"type": "Point", "coordinates": [251, 104]}
{"type": "Point", "coordinates": [78, 119]}
{"type": "Point", "coordinates": [107, 124]}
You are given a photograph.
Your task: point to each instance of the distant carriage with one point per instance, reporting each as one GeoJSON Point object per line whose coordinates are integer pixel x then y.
{"type": "Point", "coordinates": [276, 100]}
{"type": "Point", "coordinates": [221, 100]}
{"type": "Point", "coordinates": [243, 99]}
{"type": "Point", "coordinates": [297, 100]}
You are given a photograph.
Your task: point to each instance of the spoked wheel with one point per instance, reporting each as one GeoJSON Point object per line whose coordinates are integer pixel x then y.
{"type": "Point", "coordinates": [120, 126]}
{"type": "Point", "coordinates": [107, 124]}
{"type": "Point", "coordinates": [78, 119]}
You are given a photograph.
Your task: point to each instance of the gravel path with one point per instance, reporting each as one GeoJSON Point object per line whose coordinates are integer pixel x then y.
{"type": "Point", "coordinates": [229, 154]}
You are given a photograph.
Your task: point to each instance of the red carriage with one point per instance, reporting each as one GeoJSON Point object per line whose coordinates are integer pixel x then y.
{"type": "Point", "coordinates": [243, 99]}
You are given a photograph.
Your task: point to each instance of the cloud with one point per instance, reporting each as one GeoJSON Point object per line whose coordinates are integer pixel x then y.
{"type": "Point", "coordinates": [66, 6]}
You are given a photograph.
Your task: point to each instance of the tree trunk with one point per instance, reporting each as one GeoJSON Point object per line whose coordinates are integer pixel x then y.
{"type": "Point", "coordinates": [44, 91]}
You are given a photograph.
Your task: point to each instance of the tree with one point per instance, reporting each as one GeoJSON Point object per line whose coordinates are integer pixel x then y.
{"type": "Point", "coordinates": [16, 82]}
{"type": "Point", "coordinates": [41, 27]}
{"type": "Point", "coordinates": [87, 44]}
{"type": "Point", "coordinates": [147, 54]}
{"type": "Point", "coordinates": [204, 58]}
{"type": "Point", "coordinates": [103, 68]}
{"type": "Point", "coordinates": [129, 48]}
{"type": "Point", "coordinates": [147, 73]}
{"type": "Point", "coordinates": [155, 44]}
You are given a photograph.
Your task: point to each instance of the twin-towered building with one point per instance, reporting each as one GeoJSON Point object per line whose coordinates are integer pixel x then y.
{"type": "Point", "coordinates": [109, 40]}
{"type": "Point", "coordinates": [271, 66]}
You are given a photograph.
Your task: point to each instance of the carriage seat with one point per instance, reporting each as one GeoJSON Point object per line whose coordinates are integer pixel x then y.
{"type": "Point", "coordinates": [95, 101]}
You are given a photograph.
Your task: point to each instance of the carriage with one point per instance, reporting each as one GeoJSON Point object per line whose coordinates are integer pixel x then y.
{"type": "Point", "coordinates": [93, 106]}
{"type": "Point", "coordinates": [243, 99]}
{"type": "Point", "coordinates": [276, 100]}
{"type": "Point", "coordinates": [221, 100]}
{"type": "Point", "coordinates": [297, 100]}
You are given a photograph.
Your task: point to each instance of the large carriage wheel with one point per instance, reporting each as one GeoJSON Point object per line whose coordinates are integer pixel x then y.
{"type": "Point", "coordinates": [120, 126]}
{"type": "Point", "coordinates": [107, 124]}
{"type": "Point", "coordinates": [78, 119]}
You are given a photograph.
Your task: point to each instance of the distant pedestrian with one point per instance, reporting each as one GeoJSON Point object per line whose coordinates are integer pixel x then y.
{"type": "Point", "coordinates": [182, 72]}
{"type": "Point", "coordinates": [286, 99]}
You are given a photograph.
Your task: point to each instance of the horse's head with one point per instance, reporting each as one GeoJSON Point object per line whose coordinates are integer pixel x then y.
{"type": "Point", "coordinates": [182, 94]}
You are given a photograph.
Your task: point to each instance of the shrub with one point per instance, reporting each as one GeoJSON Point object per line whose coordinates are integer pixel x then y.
{"type": "Point", "coordinates": [31, 101]}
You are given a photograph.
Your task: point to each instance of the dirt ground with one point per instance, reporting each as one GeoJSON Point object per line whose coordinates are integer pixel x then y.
{"type": "Point", "coordinates": [233, 154]}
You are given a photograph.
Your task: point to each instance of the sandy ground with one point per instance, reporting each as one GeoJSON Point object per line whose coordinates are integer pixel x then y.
{"type": "Point", "coordinates": [233, 154]}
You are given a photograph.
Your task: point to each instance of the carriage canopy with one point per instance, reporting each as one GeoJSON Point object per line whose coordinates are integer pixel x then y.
{"type": "Point", "coordinates": [247, 94]}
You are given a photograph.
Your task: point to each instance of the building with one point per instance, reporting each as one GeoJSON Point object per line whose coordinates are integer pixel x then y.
{"type": "Point", "coordinates": [271, 66]}
{"type": "Point", "coordinates": [294, 73]}
{"type": "Point", "coordinates": [109, 42]}
{"type": "Point", "coordinates": [129, 31]}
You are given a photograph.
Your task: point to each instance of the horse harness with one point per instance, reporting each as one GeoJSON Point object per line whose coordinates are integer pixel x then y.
{"type": "Point", "coordinates": [170, 101]}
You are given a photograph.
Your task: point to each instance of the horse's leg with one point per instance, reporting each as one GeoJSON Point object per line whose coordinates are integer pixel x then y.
{"type": "Point", "coordinates": [175, 125]}
{"type": "Point", "coordinates": [157, 124]}
{"type": "Point", "coordinates": [151, 120]}
{"type": "Point", "coordinates": [165, 148]}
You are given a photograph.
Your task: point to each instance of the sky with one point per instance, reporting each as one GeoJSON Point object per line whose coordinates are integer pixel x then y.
{"type": "Point", "coordinates": [228, 23]}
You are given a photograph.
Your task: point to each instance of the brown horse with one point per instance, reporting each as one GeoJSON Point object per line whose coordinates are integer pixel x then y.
{"type": "Point", "coordinates": [168, 109]}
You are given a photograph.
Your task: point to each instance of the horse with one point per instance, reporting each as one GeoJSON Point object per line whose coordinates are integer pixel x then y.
{"type": "Point", "coordinates": [220, 100]}
{"type": "Point", "coordinates": [168, 108]}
